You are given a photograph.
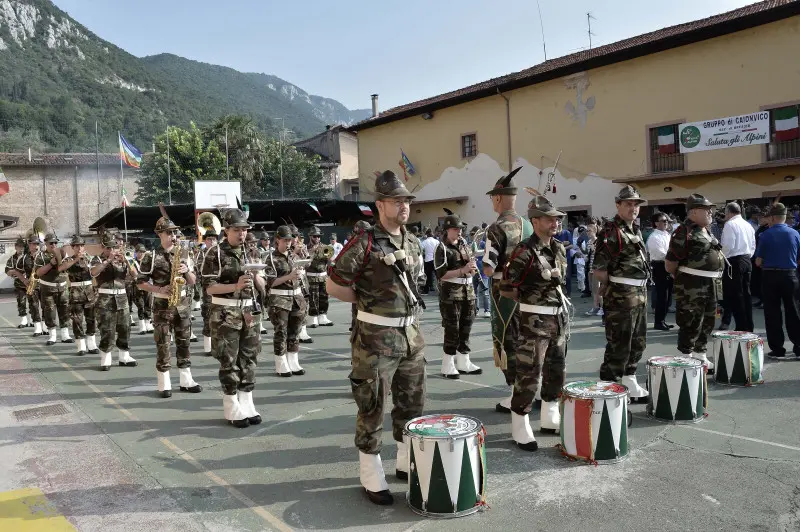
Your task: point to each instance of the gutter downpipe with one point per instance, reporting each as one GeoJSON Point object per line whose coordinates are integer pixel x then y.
{"type": "Point", "coordinates": [508, 124]}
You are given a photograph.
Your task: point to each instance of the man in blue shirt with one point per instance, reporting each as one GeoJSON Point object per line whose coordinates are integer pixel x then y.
{"type": "Point", "coordinates": [565, 237]}
{"type": "Point", "coordinates": [776, 255]}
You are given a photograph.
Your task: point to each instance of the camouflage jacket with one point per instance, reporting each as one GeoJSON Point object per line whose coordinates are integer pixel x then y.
{"type": "Point", "coordinates": [524, 271]}
{"type": "Point", "coordinates": [223, 264]}
{"type": "Point", "coordinates": [17, 262]}
{"type": "Point", "coordinates": [278, 265]}
{"type": "Point", "coordinates": [79, 292]}
{"type": "Point", "coordinates": [156, 268]}
{"type": "Point", "coordinates": [53, 276]}
{"type": "Point", "coordinates": [112, 277]}
{"type": "Point", "coordinates": [448, 257]}
{"type": "Point", "coordinates": [318, 265]}
{"type": "Point", "coordinates": [380, 290]}
{"type": "Point", "coordinates": [502, 237]}
{"type": "Point", "coordinates": [694, 247]}
{"type": "Point", "coordinates": [621, 252]}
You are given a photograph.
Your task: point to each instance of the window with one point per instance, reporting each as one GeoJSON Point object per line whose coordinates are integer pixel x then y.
{"type": "Point", "coordinates": [784, 133]}
{"type": "Point", "coordinates": [469, 145]}
{"type": "Point", "coordinates": [664, 154]}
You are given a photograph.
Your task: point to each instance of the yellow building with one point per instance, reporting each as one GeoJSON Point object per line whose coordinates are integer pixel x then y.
{"type": "Point", "coordinates": [604, 111]}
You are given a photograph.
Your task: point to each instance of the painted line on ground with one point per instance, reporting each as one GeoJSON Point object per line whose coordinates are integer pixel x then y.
{"type": "Point", "coordinates": [745, 438]}
{"type": "Point", "coordinates": [234, 492]}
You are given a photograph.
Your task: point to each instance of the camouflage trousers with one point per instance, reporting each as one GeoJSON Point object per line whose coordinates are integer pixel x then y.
{"type": "Point", "coordinates": [317, 299]}
{"type": "Point", "coordinates": [83, 319]}
{"type": "Point", "coordinates": [287, 325]}
{"type": "Point", "coordinates": [457, 318]}
{"type": "Point", "coordinates": [196, 293]}
{"type": "Point", "coordinates": [695, 314]}
{"type": "Point", "coordinates": [237, 352]}
{"type": "Point", "coordinates": [205, 313]}
{"type": "Point", "coordinates": [371, 379]}
{"type": "Point", "coordinates": [34, 306]}
{"type": "Point", "coordinates": [144, 304]}
{"type": "Point", "coordinates": [113, 323]}
{"type": "Point", "coordinates": [22, 301]}
{"type": "Point", "coordinates": [625, 309]}
{"type": "Point", "coordinates": [130, 291]}
{"type": "Point", "coordinates": [541, 352]}
{"type": "Point", "coordinates": [180, 323]}
{"type": "Point", "coordinates": [54, 304]}
{"type": "Point", "coordinates": [508, 345]}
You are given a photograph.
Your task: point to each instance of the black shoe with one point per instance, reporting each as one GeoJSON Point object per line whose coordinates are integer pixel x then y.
{"type": "Point", "coordinates": [263, 331]}
{"type": "Point", "coordinates": [240, 423]}
{"type": "Point", "coordinates": [530, 447]}
{"type": "Point", "coordinates": [80, 353]}
{"type": "Point", "coordinates": [20, 326]}
{"type": "Point", "coordinates": [128, 364]}
{"type": "Point", "coordinates": [142, 333]}
{"type": "Point", "coordinates": [255, 420]}
{"type": "Point", "coordinates": [382, 498]}
{"type": "Point", "coordinates": [93, 351]}
{"type": "Point", "coordinates": [312, 326]}
{"type": "Point", "coordinates": [192, 389]}
{"type": "Point", "coordinates": [49, 342]}
{"type": "Point", "coordinates": [105, 368]}
{"type": "Point", "coordinates": [193, 340]}
{"type": "Point", "coordinates": [478, 371]}
{"type": "Point", "coordinates": [401, 475]}
{"type": "Point", "coordinates": [537, 404]}
{"type": "Point", "coordinates": [326, 324]}
{"type": "Point", "coordinates": [452, 376]}
{"type": "Point", "coordinates": [777, 355]}
{"type": "Point", "coordinates": [285, 374]}
{"type": "Point", "coordinates": [301, 372]}
{"type": "Point", "coordinates": [662, 326]}
{"type": "Point", "coordinates": [31, 325]}
{"type": "Point", "coordinates": [503, 410]}
{"type": "Point", "coordinates": [68, 341]}
{"type": "Point", "coordinates": [309, 341]}
{"type": "Point", "coordinates": [165, 394]}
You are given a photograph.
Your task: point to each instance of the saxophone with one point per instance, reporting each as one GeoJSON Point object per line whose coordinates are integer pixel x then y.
{"type": "Point", "coordinates": [32, 283]}
{"type": "Point", "coordinates": [178, 282]}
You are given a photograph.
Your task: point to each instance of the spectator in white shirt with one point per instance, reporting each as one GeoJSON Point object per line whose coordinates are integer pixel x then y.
{"type": "Point", "coordinates": [738, 245]}
{"type": "Point", "coordinates": [657, 246]}
{"type": "Point", "coordinates": [337, 247]}
{"type": "Point", "coordinates": [429, 245]}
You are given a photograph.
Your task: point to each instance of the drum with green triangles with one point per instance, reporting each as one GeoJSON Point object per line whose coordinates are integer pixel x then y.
{"type": "Point", "coordinates": [447, 465]}
{"type": "Point", "coordinates": [678, 389]}
{"type": "Point", "coordinates": [594, 421]}
{"type": "Point", "coordinates": [738, 357]}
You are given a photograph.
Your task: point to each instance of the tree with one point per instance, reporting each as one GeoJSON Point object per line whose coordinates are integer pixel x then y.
{"type": "Point", "coordinates": [245, 145]}
{"type": "Point", "coordinates": [191, 158]}
{"type": "Point", "coordinates": [302, 177]}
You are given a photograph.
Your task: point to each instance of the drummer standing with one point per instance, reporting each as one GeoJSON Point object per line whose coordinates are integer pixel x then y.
{"type": "Point", "coordinates": [623, 269]}
{"type": "Point", "coordinates": [695, 259]}
{"type": "Point", "coordinates": [534, 277]}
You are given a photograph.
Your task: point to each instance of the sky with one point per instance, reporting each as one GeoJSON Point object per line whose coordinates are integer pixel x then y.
{"type": "Point", "coordinates": [403, 50]}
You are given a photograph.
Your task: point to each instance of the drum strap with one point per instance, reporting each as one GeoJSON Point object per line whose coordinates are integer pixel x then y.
{"type": "Point", "coordinates": [565, 303]}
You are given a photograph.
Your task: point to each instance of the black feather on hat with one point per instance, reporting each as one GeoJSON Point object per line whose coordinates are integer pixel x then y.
{"type": "Point", "coordinates": [504, 185]}
{"type": "Point", "coordinates": [447, 211]}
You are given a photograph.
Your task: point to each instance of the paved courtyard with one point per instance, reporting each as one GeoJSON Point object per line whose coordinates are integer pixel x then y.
{"type": "Point", "coordinates": [109, 455]}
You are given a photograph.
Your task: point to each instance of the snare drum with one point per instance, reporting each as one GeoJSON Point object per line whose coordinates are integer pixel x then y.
{"type": "Point", "coordinates": [738, 357]}
{"type": "Point", "coordinates": [678, 389]}
{"type": "Point", "coordinates": [447, 465]}
{"type": "Point", "coordinates": [594, 421]}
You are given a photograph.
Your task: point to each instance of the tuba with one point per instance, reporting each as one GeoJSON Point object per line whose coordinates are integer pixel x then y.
{"type": "Point", "coordinates": [207, 221]}
{"type": "Point", "coordinates": [323, 251]}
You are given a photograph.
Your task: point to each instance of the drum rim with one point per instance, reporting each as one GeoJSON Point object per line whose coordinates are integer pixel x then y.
{"type": "Point", "coordinates": [691, 363]}
{"type": "Point", "coordinates": [610, 395]}
{"type": "Point", "coordinates": [436, 515]}
{"type": "Point", "coordinates": [734, 335]}
{"type": "Point", "coordinates": [415, 435]}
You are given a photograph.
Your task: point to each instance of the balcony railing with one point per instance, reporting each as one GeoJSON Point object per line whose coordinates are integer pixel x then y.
{"type": "Point", "coordinates": [789, 149]}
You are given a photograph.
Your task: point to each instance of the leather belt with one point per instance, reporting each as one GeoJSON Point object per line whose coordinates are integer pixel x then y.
{"type": "Point", "coordinates": [288, 293]}
{"type": "Point", "coordinates": [312, 274]}
{"type": "Point", "coordinates": [81, 283]}
{"type": "Point", "coordinates": [227, 302]}
{"type": "Point", "coordinates": [166, 296]}
{"type": "Point", "coordinates": [112, 291]}
{"type": "Point", "coordinates": [458, 280]}
{"type": "Point", "coordinates": [627, 281]}
{"type": "Point", "coordinates": [700, 273]}
{"type": "Point", "coordinates": [53, 285]}
{"type": "Point", "coordinates": [539, 309]}
{"type": "Point", "coordinates": [374, 319]}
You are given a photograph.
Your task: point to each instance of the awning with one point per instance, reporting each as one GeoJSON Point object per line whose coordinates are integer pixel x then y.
{"type": "Point", "coordinates": [440, 200]}
{"type": "Point", "coordinates": [693, 173]}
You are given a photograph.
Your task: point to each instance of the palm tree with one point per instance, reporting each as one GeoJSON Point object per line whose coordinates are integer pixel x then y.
{"type": "Point", "coordinates": [245, 146]}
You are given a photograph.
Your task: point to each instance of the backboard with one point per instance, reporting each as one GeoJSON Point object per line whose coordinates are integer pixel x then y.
{"type": "Point", "coordinates": [209, 195]}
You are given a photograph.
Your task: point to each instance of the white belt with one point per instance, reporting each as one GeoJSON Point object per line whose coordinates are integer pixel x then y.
{"type": "Point", "coordinates": [112, 291]}
{"type": "Point", "coordinates": [497, 275]}
{"type": "Point", "coordinates": [312, 274]}
{"type": "Point", "coordinates": [625, 280]}
{"type": "Point", "coordinates": [383, 320]}
{"type": "Point", "coordinates": [539, 309]}
{"type": "Point", "coordinates": [227, 302]}
{"type": "Point", "coordinates": [458, 280]}
{"type": "Point", "coordinates": [167, 296]}
{"type": "Point", "coordinates": [48, 283]}
{"type": "Point", "coordinates": [81, 283]}
{"type": "Point", "coordinates": [289, 293]}
{"type": "Point", "coordinates": [700, 273]}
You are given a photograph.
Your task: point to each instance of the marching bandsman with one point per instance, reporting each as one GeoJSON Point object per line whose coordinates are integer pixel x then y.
{"type": "Point", "coordinates": [34, 299]}
{"type": "Point", "coordinates": [287, 306]}
{"type": "Point", "coordinates": [454, 266]}
{"type": "Point", "coordinates": [81, 294]}
{"type": "Point", "coordinates": [501, 239]}
{"type": "Point", "coordinates": [210, 241]}
{"type": "Point", "coordinates": [111, 307]}
{"type": "Point", "coordinates": [534, 277]}
{"type": "Point", "coordinates": [15, 268]}
{"type": "Point", "coordinates": [316, 273]}
{"type": "Point", "coordinates": [172, 290]}
{"type": "Point", "coordinates": [234, 328]}
{"type": "Point", "coordinates": [143, 300]}
{"type": "Point", "coordinates": [622, 266]}
{"type": "Point", "coordinates": [695, 260]}
{"type": "Point", "coordinates": [358, 228]}
{"type": "Point", "coordinates": [53, 290]}
{"type": "Point", "coordinates": [301, 252]}
{"type": "Point", "coordinates": [378, 270]}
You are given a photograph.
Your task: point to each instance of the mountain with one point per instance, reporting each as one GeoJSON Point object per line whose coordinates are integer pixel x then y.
{"type": "Point", "coordinates": [57, 79]}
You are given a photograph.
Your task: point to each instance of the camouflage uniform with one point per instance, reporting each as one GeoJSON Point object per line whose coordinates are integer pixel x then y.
{"type": "Point", "coordinates": [300, 251]}
{"type": "Point", "coordinates": [53, 294]}
{"type": "Point", "coordinates": [695, 250]}
{"type": "Point", "coordinates": [143, 299]}
{"type": "Point", "coordinates": [234, 329]}
{"type": "Point", "coordinates": [456, 300]}
{"type": "Point", "coordinates": [287, 308]}
{"type": "Point", "coordinates": [81, 296]}
{"type": "Point", "coordinates": [386, 341]}
{"type": "Point", "coordinates": [34, 300]}
{"type": "Point", "coordinates": [205, 305]}
{"type": "Point", "coordinates": [316, 273]}
{"type": "Point", "coordinates": [16, 263]}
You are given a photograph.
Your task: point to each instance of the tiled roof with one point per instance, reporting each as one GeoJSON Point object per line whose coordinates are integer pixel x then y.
{"type": "Point", "coordinates": [57, 159]}
{"type": "Point", "coordinates": [648, 43]}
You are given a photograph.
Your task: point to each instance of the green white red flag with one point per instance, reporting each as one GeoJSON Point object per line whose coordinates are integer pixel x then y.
{"type": "Point", "coordinates": [786, 123]}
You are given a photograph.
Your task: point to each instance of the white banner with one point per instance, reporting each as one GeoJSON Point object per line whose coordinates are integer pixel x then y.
{"type": "Point", "coordinates": [731, 132]}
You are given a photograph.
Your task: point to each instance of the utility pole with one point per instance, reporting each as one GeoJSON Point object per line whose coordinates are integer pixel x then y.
{"type": "Point", "coordinates": [280, 150]}
{"type": "Point", "coordinates": [541, 24]}
{"type": "Point", "coordinates": [589, 19]}
{"type": "Point", "coordinates": [227, 158]}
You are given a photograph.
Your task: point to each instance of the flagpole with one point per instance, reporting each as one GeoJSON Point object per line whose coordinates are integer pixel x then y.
{"type": "Point", "coordinates": [121, 186]}
{"type": "Point", "coordinates": [169, 177]}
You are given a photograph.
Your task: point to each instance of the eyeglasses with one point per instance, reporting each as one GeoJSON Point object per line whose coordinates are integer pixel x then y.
{"type": "Point", "coordinates": [399, 203]}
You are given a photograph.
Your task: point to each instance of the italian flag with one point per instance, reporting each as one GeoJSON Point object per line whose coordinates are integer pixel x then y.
{"type": "Point", "coordinates": [666, 139]}
{"type": "Point", "coordinates": [365, 210]}
{"type": "Point", "coordinates": [786, 126]}
{"type": "Point", "coordinates": [4, 188]}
